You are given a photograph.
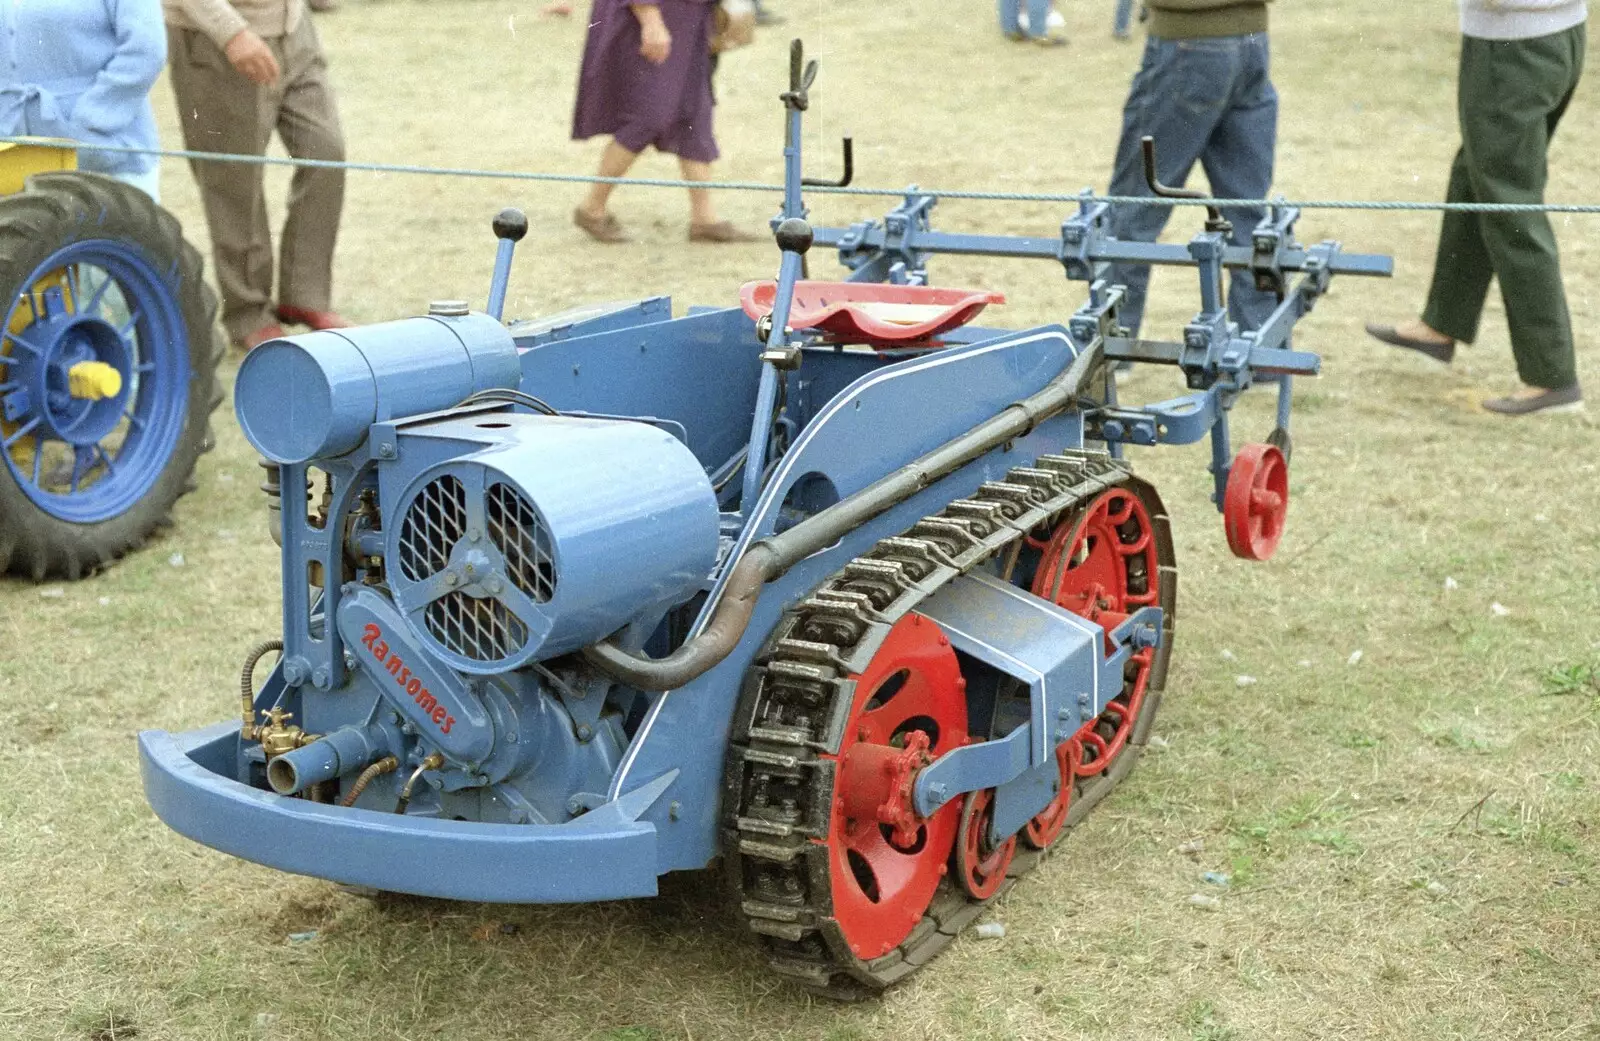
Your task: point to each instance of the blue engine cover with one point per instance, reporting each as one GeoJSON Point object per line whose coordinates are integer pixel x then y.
{"type": "Point", "coordinates": [515, 537]}
{"type": "Point", "coordinates": [312, 396]}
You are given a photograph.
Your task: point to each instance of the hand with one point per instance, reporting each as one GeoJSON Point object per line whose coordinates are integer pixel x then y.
{"type": "Point", "coordinates": [250, 55]}
{"type": "Point", "coordinates": [655, 41]}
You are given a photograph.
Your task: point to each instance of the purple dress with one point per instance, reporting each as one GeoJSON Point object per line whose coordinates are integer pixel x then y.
{"type": "Point", "coordinates": [640, 103]}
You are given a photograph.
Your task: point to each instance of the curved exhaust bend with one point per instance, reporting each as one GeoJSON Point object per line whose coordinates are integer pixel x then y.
{"type": "Point", "coordinates": [769, 558]}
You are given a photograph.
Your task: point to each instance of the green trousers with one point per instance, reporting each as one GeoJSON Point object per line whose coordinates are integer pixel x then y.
{"type": "Point", "coordinates": [1511, 95]}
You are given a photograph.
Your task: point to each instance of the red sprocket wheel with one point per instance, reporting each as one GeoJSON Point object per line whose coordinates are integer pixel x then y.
{"type": "Point", "coordinates": [1046, 825]}
{"type": "Point", "coordinates": [1256, 501]}
{"type": "Point", "coordinates": [981, 868]}
{"type": "Point", "coordinates": [885, 861]}
{"type": "Point", "coordinates": [1102, 563]}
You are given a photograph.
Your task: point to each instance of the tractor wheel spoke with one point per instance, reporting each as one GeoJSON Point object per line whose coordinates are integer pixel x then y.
{"type": "Point", "coordinates": [22, 432]}
{"type": "Point", "coordinates": [31, 348]}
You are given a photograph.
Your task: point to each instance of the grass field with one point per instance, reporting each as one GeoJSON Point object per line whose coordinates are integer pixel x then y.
{"type": "Point", "coordinates": [1407, 798]}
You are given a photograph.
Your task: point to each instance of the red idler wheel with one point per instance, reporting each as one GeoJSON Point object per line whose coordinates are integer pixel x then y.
{"type": "Point", "coordinates": [979, 868]}
{"type": "Point", "coordinates": [885, 861]}
{"type": "Point", "coordinates": [1046, 825]}
{"type": "Point", "coordinates": [1101, 563]}
{"type": "Point", "coordinates": [1255, 501]}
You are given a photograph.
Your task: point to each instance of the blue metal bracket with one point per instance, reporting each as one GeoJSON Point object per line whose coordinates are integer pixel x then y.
{"type": "Point", "coordinates": [1059, 656]}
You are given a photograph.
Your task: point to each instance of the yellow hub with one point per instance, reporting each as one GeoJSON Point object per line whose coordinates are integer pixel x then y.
{"type": "Point", "coordinates": [93, 381]}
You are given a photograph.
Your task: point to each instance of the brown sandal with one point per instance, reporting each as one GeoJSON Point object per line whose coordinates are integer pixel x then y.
{"type": "Point", "coordinates": [721, 231]}
{"type": "Point", "coordinates": [605, 228]}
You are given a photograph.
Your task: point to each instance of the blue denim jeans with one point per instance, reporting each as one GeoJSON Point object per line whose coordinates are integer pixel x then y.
{"type": "Point", "coordinates": [1123, 19]}
{"type": "Point", "coordinates": [1038, 14]}
{"type": "Point", "coordinates": [1210, 100]}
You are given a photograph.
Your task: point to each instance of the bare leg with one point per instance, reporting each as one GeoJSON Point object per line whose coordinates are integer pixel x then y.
{"type": "Point", "coordinates": [701, 210]}
{"type": "Point", "coordinates": [614, 162]}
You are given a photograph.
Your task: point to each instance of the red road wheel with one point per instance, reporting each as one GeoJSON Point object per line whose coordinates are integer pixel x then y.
{"type": "Point", "coordinates": [1255, 501]}
{"type": "Point", "coordinates": [981, 868]}
{"type": "Point", "coordinates": [1046, 826]}
{"type": "Point", "coordinates": [885, 861]}
{"type": "Point", "coordinates": [1102, 563]}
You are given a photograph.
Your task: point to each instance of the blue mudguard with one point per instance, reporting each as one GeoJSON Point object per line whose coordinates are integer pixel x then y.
{"type": "Point", "coordinates": [606, 854]}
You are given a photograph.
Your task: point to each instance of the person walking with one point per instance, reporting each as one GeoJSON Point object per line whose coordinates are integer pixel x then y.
{"type": "Point", "coordinates": [1033, 20]}
{"type": "Point", "coordinates": [242, 69]}
{"type": "Point", "coordinates": [82, 69]}
{"type": "Point", "coordinates": [646, 80]}
{"type": "Point", "coordinates": [1204, 92]}
{"type": "Point", "coordinates": [1122, 20]}
{"type": "Point", "coordinates": [1520, 63]}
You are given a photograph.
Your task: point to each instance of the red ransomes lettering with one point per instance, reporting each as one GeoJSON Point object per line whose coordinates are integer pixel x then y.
{"type": "Point", "coordinates": [372, 639]}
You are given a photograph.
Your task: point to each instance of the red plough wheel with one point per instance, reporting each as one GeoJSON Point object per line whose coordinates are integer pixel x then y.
{"type": "Point", "coordinates": [1255, 501]}
{"type": "Point", "coordinates": [885, 861]}
{"type": "Point", "coordinates": [1102, 563]}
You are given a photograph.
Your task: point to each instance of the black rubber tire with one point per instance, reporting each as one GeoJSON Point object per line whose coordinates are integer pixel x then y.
{"type": "Point", "coordinates": [55, 210]}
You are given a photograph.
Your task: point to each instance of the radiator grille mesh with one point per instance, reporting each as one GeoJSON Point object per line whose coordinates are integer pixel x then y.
{"type": "Point", "coordinates": [436, 521]}
{"type": "Point", "coordinates": [480, 629]}
{"type": "Point", "coordinates": [520, 534]}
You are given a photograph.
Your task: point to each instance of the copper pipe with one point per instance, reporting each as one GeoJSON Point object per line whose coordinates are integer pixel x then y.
{"type": "Point", "coordinates": [388, 764]}
{"type": "Point", "coordinates": [247, 685]}
{"type": "Point", "coordinates": [433, 762]}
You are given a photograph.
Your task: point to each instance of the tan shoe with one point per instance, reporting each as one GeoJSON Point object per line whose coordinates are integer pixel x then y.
{"type": "Point", "coordinates": [722, 231]}
{"type": "Point", "coordinates": [604, 228]}
{"type": "Point", "coordinates": [1537, 399]}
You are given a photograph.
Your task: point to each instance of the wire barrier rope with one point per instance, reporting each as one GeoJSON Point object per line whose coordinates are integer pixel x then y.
{"type": "Point", "coordinates": [760, 186]}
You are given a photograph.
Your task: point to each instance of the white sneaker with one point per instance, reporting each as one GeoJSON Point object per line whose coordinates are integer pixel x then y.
{"type": "Point", "coordinates": [1055, 20]}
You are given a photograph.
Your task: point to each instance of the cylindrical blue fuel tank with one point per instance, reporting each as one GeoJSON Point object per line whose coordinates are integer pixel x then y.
{"type": "Point", "coordinates": [554, 534]}
{"type": "Point", "coordinates": [312, 396]}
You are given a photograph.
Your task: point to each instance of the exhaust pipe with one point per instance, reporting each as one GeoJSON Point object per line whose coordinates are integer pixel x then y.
{"type": "Point", "coordinates": [769, 558]}
{"type": "Point", "coordinates": [342, 752]}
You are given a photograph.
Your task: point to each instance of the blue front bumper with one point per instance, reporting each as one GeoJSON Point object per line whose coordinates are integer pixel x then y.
{"type": "Point", "coordinates": [606, 854]}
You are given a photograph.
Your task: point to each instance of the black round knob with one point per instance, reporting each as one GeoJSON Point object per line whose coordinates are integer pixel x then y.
{"type": "Point", "coordinates": [794, 235]}
{"type": "Point", "coordinates": [510, 223]}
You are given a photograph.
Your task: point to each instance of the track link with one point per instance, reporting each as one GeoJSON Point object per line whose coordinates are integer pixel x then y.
{"type": "Point", "coordinates": [779, 788]}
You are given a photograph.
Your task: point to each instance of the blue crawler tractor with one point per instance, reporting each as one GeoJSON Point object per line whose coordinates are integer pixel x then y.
{"type": "Point", "coordinates": [838, 586]}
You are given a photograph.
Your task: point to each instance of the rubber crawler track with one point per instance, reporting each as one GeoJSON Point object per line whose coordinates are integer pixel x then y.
{"type": "Point", "coordinates": [778, 790]}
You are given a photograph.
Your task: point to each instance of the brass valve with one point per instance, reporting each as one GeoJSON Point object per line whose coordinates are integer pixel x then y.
{"type": "Point", "coordinates": [278, 735]}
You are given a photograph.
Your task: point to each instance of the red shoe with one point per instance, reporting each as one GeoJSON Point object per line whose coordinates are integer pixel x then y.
{"type": "Point", "coordinates": [252, 340]}
{"type": "Point", "coordinates": [314, 319]}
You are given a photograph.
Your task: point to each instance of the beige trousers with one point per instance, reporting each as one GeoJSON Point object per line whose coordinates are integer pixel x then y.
{"type": "Point", "coordinates": [221, 111]}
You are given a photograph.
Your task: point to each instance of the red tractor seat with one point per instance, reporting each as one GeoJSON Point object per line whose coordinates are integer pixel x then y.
{"type": "Point", "coordinates": [869, 312]}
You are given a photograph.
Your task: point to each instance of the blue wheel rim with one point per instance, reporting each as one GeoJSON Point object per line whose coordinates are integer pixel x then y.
{"type": "Point", "coordinates": [92, 300]}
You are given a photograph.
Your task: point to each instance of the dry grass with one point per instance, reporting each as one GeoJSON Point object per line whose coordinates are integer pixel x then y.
{"type": "Point", "coordinates": [1370, 898]}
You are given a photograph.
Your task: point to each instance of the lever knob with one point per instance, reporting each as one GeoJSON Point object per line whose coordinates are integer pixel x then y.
{"type": "Point", "coordinates": [794, 236]}
{"type": "Point", "coordinates": [510, 223]}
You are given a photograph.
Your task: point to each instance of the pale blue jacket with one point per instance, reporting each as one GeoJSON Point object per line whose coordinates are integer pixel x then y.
{"type": "Point", "coordinates": [83, 69]}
